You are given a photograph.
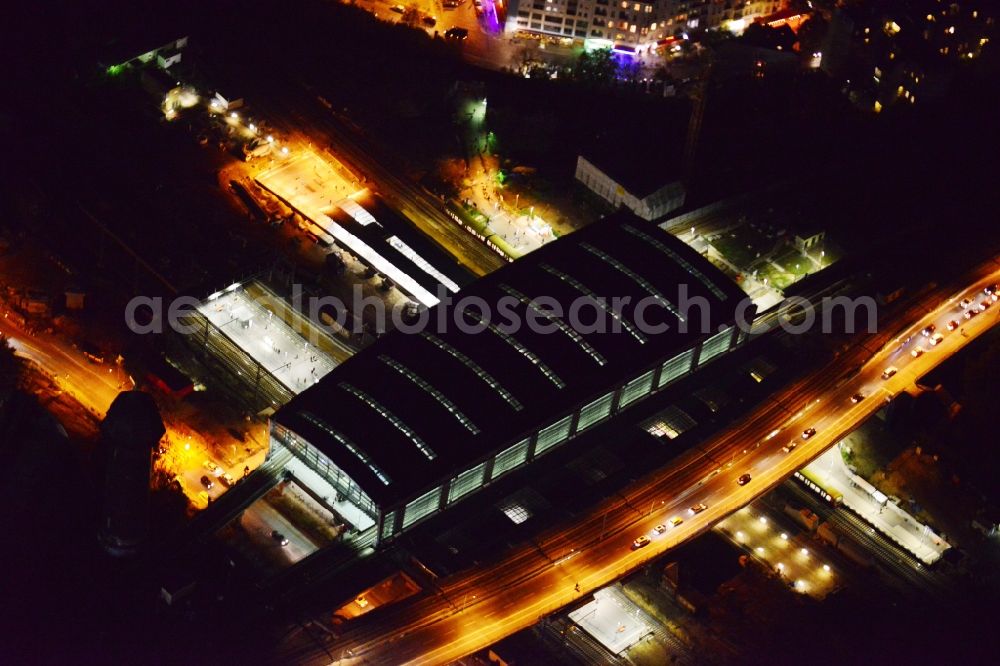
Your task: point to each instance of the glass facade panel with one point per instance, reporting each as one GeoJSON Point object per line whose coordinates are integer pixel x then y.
{"type": "Point", "coordinates": [422, 507]}
{"type": "Point", "coordinates": [636, 389]}
{"type": "Point", "coordinates": [676, 368]}
{"type": "Point", "coordinates": [468, 481]}
{"type": "Point", "coordinates": [715, 345]}
{"type": "Point", "coordinates": [510, 459]}
{"type": "Point", "coordinates": [552, 436]}
{"type": "Point", "coordinates": [390, 520]}
{"type": "Point", "coordinates": [595, 412]}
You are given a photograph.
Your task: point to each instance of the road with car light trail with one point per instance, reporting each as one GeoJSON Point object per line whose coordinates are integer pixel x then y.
{"type": "Point", "coordinates": [478, 607]}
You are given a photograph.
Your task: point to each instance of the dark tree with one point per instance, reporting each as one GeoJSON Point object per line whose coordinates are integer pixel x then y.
{"type": "Point", "coordinates": [811, 34]}
{"type": "Point", "coordinates": [599, 67]}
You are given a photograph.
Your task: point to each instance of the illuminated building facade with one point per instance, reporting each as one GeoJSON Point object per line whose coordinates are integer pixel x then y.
{"type": "Point", "coordinates": [631, 25]}
{"type": "Point", "coordinates": [421, 420]}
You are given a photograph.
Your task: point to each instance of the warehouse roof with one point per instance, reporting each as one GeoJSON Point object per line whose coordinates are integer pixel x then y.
{"type": "Point", "coordinates": [417, 407]}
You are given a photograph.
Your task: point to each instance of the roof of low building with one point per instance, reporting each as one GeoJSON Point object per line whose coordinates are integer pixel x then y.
{"type": "Point", "coordinates": [416, 407]}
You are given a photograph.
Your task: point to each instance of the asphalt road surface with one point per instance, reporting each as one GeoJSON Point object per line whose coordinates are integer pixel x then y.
{"type": "Point", "coordinates": [538, 578]}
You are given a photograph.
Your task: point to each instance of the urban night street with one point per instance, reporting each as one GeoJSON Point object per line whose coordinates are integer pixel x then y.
{"type": "Point", "coordinates": [473, 332]}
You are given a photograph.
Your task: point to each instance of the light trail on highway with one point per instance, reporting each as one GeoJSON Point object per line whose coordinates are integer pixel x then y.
{"type": "Point", "coordinates": [538, 578]}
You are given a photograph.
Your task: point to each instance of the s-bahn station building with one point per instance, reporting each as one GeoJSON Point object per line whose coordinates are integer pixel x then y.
{"type": "Point", "coordinates": [421, 420]}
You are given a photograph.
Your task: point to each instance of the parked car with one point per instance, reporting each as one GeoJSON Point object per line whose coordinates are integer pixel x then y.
{"type": "Point", "coordinates": [640, 542]}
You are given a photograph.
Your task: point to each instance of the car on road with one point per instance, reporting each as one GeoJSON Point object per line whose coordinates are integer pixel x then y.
{"type": "Point", "coordinates": [698, 508]}
{"type": "Point", "coordinates": [889, 372]}
{"type": "Point", "coordinates": [788, 448]}
{"type": "Point", "coordinates": [743, 480]}
{"type": "Point", "coordinates": [207, 482]}
{"type": "Point", "coordinates": [461, 34]}
{"type": "Point", "coordinates": [808, 432]}
{"type": "Point", "coordinates": [936, 340]}
{"type": "Point", "coordinates": [212, 467]}
{"type": "Point", "coordinates": [228, 479]}
{"type": "Point", "coordinates": [986, 304]}
{"type": "Point", "coordinates": [927, 330]}
{"type": "Point", "coordinates": [279, 537]}
{"type": "Point", "coordinates": [857, 397]}
{"type": "Point", "coordinates": [991, 289]}
{"type": "Point", "coordinates": [429, 21]}
{"type": "Point", "coordinates": [965, 302]}
{"type": "Point", "coordinates": [399, 9]}
{"type": "Point", "coordinates": [971, 312]}
{"type": "Point", "coordinates": [660, 529]}
{"type": "Point", "coordinates": [953, 324]}
{"type": "Point", "coordinates": [917, 352]}
{"type": "Point", "coordinates": [676, 520]}
{"type": "Point", "coordinates": [640, 542]}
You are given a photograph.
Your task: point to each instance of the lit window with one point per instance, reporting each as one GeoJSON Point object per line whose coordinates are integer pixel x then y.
{"type": "Point", "coordinates": [721, 295]}
{"type": "Point", "coordinates": [518, 347]}
{"type": "Point", "coordinates": [391, 418]}
{"type": "Point", "coordinates": [598, 301]}
{"type": "Point", "coordinates": [516, 512]}
{"type": "Point", "coordinates": [569, 331]}
{"type": "Point", "coordinates": [347, 444]}
{"type": "Point", "coordinates": [631, 28]}
{"type": "Point", "coordinates": [476, 368]}
{"type": "Point", "coordinates": [430, 390]}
